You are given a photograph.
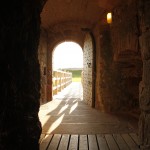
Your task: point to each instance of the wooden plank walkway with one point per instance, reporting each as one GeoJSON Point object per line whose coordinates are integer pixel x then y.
{"type": "Point", "coordinates": [89, 142]}
{"type": "Point", "coordinates": [69, 124]}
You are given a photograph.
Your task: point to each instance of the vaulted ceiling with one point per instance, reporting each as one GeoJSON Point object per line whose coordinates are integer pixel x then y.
{"type": "Point", "coordinates": [64, 19]}
{"type": "Point", "coordinates": [78, 11]}
{"type": "Point", "coordinates": [60, 11]}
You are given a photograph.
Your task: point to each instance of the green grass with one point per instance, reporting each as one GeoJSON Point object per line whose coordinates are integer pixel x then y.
{"type": "Point", "coordinates": [76, 75]}
{"type": "Point", "coordinates": [76, 79]}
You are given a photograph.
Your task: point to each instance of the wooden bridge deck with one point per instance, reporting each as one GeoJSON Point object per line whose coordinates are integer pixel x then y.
{"type": "Point", "coordinates": [69, 124]}
{"type": "Point", "coordinates": [90, 142]}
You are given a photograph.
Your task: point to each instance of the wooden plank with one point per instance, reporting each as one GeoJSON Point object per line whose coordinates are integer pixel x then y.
{"type": "Point", "coordinates": [83, 143]}
{"type": "Point", "coordinates": [45, 142]}
{"type": "Point", "coordinates": [102, 142]}
{"type": "Point", "coordinates": [73, 145]}
{"type": "Point", "coordinates": [64, 142]}
{"type": "Point", "coordinates": [93, 145]}
{"type": "Point", "coordinates": [111, 142]}
{"type": "Point", "coordinates": [54, 142]}
{"type": "Point", "coordinates": [135, 138]}
{"type": "Point", "coordinates": [120, 142]}
{"type": "Point", "coordinates": [130, 142]}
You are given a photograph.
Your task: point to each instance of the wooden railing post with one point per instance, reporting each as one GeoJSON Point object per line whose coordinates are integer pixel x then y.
{"type": "Point", "coordinates": [61, 79]}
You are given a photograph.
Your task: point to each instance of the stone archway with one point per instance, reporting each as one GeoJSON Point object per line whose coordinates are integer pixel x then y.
{"type": "Point", "coordinates": [75, 36]}
{"type": "Point", "coordinates": [67, 64]}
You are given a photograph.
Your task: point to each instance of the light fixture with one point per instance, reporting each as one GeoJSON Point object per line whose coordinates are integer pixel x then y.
{"type": "Point", "coordinates": [109, 17]}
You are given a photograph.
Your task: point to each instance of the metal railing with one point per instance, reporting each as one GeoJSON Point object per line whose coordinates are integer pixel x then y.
{"type": "Point", "coordinates": [61, 79]}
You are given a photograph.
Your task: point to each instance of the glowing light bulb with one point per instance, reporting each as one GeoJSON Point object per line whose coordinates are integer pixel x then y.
{"type": "Point", "coordinates": [109, 17]}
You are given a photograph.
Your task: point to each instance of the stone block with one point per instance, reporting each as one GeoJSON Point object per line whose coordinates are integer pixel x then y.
{"type": "Point", "coordinates": [144, 15]}
{"type": "Point", "coordinates": [144, 131]}
{"type": "Point", "coordinates": [146, 72]}
{"type": "Point", "coordinates": [87, 72]}
{"type": "Point", "coordinates": [145, 45]}
{"type": "Point", "coordinates": [144, 97]}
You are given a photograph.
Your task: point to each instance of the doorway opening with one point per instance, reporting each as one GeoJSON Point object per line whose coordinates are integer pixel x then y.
{"type": "Point", "coordinates": [67, 64]}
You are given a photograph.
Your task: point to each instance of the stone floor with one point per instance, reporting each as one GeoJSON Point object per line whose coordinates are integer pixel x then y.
{"type": "Point", "coordinates": [68, 114]}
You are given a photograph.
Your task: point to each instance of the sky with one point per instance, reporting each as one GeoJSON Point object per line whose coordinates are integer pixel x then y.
{"type": "Point", "coordinates": [68, 55]}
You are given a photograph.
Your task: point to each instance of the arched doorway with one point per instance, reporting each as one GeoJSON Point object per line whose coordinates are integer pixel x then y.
{"type": "Point", "coordinates": [67, 64]}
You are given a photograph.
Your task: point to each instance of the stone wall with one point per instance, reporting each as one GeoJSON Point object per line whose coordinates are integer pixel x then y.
{"type": "Point", "coordinates": [106, 75]}
{"type": "Point", "coordinates": [87, 69]}
{"type": "Point", "coordinates": [127, 55]}
{"type": "Point", "coordinates": [98, 98]}
{"type": "Point", "coordinates": [20, 127]}
{"type": "Point", "coordinates": [42, 55]}
{"type": "Point", "coordinates": [49, 73]}
{"type": "Point", "coordinates": [144, 97]}
{"type": "Point", "coordinates": [119, 63]}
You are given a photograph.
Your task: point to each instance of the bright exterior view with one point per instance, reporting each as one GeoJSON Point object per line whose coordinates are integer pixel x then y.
{"type": "Point", "coordinates": [67, 66]}
{"type": "Point", "coordinates": [68, 56]}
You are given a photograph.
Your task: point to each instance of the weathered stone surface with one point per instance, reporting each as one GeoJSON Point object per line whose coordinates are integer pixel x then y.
{"type": "Point", "coordinates": [144, 130]}
{"type": "Point", "coordinates": [145, 45]}
{"type": "Point", "coordinates": [42, 55]}
{"type": "Point", "coordinates": [20, 127]}
{"type": "Point", "coordinates": [146, 72]}
{"type": "Point", "coordinates": [144, 121]}
{"type": "Point", "coordinates": [144, 15]}
{"type": "Point", "coordinates": [119, 62]}
{"type": "Point", "coordinates": [49, 74]}
{"type": "Point", "coordinates": [88, 70]}
{"type": "Point", "coordinates": [144, 97]}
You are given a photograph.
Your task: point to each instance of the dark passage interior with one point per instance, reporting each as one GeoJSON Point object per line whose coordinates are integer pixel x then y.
{"type": "Point", "coordinates": [116, 72]}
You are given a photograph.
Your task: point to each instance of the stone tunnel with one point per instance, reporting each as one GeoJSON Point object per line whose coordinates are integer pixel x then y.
{"type": "Point", "coordinates": [116, 61]}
